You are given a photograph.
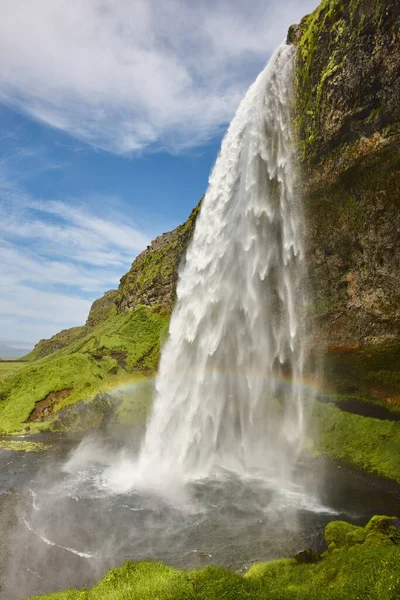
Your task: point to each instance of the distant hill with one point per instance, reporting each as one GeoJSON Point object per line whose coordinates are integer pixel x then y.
{"type": "Point", "coordinates": [10, 352]}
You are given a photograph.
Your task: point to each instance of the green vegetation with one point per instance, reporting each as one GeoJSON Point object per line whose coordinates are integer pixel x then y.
{"type": "Point", "coordinates": [22, 446]}
{"type": "Point", "coordinates": [9, 367]}
{"type": "Point", "coordinates": [120, 349]}
{"type": "Point", "coordinates": [360, 563]}
{"type": "Point", "coordinates": [154, 274]}
{"type": "Point", "coordinates": [59, 341]}
{"type": "Point", "coordinates": [66, 380]}
{"type": "Point", "coordinates": [362, 442]}
{"type": "Point", "coordinates": [334, 47]}
{"type": "Point", "coordinates": [371, 373]}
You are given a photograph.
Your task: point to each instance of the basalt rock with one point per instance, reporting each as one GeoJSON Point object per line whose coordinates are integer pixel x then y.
{"type": "Point", "coordinates": [153, 276]}
{"type": "Point", "coordinates": [348, 122]}
{"type": "Point", "coordinates": [307, 557]}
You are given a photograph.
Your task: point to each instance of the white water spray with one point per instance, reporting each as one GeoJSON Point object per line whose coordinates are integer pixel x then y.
{"type": "Point", "coordinates": [236, 331]}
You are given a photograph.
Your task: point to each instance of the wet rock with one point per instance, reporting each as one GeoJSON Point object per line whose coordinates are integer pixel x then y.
{"type": "Point", "coordinates": [348, 124]}
{"type": "Point", "coordinates": [87, 415]}
{"type": "Point", "coordinates": [307, 557]}
{"type": "Point", "coordinates": [294, 34]}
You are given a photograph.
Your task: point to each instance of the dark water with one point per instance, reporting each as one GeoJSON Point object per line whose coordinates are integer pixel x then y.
{"type": "Point", "coordinates": [355, 406]}
{"type": "Point", "coordinates": [67, 528]}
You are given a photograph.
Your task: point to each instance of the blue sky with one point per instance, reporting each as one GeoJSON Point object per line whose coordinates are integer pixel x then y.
{"type": "Point", "coordinates": [111, 116]}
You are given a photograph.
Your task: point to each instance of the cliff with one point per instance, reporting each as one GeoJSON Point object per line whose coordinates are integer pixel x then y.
{"type": "Point", "coordinates": [348, 121]}
{"type": "Point", "coordinates": [153, 276]}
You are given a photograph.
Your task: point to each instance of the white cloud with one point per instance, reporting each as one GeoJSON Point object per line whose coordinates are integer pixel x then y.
{"type": "Point", "coordinates": [52, 308]}
{"type": "Point", "coordinates": [126, 74]}
{"type": "Point", "coordinates": [67, 230]}
{"type": "Point", "coordinates": [22, 265]}
{"type": "Point", "coordinates": [56, 257]}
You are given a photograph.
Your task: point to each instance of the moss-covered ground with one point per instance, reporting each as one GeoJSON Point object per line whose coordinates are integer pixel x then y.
{"type": "Point", "coordinates": [22, 446]}
{"type": "Point", "coordinates": [360, 564]}
{"type": "Point", "coordinates": [118, 350]}
{"type": "Point", "coordinates": [9, 367]}
{"type": "Point", "coordinates": [362, 442]}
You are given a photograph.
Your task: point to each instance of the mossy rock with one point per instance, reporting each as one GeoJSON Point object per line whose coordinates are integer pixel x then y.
{"type": "Point", "coordinates": [340, 534]}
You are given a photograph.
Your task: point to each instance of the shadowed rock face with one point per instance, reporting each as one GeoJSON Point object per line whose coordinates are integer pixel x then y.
{"type": "Point", "coordinates": [348, 121]}
{"type": "Point", "coordinates": [102, 308]}
{"type": "Point", "coordinates": [153, 276]}
{"type": "Point", "coordinates": [348, 84]}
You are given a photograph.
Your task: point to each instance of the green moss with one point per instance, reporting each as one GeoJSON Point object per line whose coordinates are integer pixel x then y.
{"type": "Point", "coordinates": [154, 273]}
{"type": "Point", "coordinates": [366, 565]}
{"type": "Point", "coordinates": [125, 346]}
{"type": "Point", "coordinates": [340, 534]}
{"type": "Point", "coordinates": [310, 81]}
{"type": "Point", "coordinates": [334, 48]}
{"type": "Point", "coordinates": [9, 367]}
{"type": "Point", "coordinates": [22, 446]}
{"type": "Point", "coordinates": [362, 442]}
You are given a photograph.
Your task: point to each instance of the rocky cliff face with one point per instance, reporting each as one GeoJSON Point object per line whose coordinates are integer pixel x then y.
{"type": "Point", "coordinates": [348, 121]}
{"type": "Point", "coordinates": [154, 273]}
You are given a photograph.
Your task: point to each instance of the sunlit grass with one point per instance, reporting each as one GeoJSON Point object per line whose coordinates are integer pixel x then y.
{"type": "Point", "coordinates": [118, 350]}
{"type": "Point", "coordinates": [9, 367]}
{"type": "Point", "coordinates": [363, 442]}
{"type": "Point", "coordinates": [22, 446]}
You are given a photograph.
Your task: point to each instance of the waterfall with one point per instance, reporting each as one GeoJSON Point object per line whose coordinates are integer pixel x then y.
{"type": "Point", "coordinates": [228, 394]}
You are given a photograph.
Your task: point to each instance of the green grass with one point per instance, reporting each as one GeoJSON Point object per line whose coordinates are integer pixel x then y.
{"type": "Point", "coordinates": [123, 348]}
{"type": "Point", "coordinates": [22, 446]}
{"type": "Point", "coordinates": [360, 564]}
{"type": "Point", "coordinates": [362, 442]}
{"type": "Point", "coordinates": [9, 367]}
{"type": "Point", "coordinates": [61, 340]}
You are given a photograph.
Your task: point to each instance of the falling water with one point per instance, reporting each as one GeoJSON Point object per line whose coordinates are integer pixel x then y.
{"type": "Point", "coordinates": [227, 395]}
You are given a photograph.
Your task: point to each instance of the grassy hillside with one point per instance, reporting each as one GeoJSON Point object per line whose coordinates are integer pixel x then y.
{"type": "Point", "coordinates": [120, 342]}
{"type": "Point", "coordinates": [362, 442]}
{"type": "Point", "coordinates": [121, 348]}
{"type": "Point", "coordinates": [359, 563]}
{"type": "Point", "coordinates": [9, 367]}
